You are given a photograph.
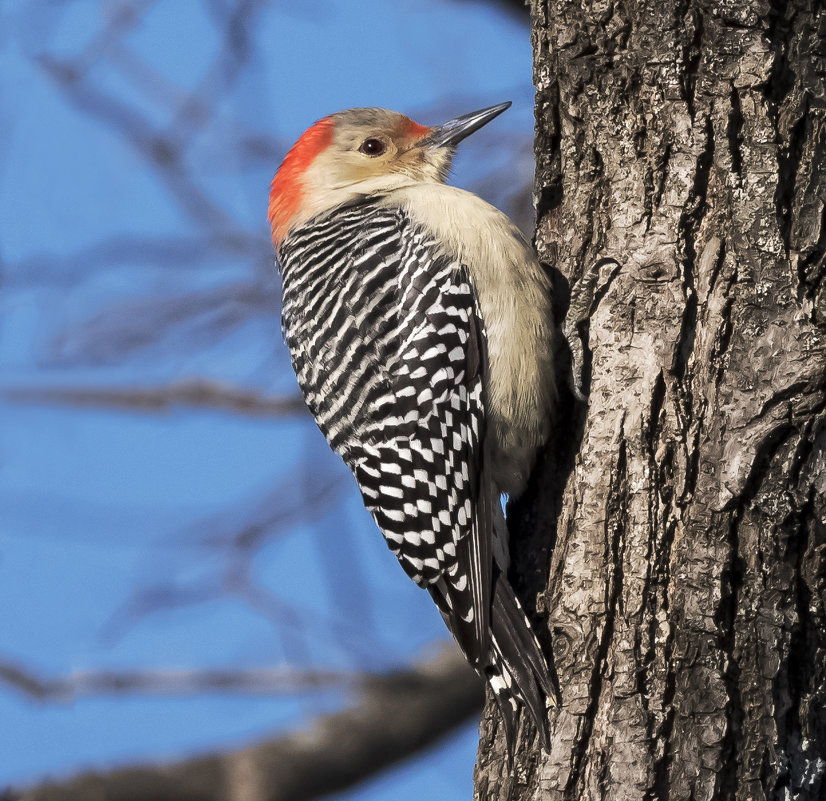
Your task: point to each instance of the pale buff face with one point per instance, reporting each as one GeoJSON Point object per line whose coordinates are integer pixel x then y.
{"type": "Point", "coordinates": [371, 151]}
{"type": "Point", "coordinates": [401, 156]}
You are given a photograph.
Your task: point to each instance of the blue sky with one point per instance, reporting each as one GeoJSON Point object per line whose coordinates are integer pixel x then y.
{"type": "Point", "coordinates": [118, 527]}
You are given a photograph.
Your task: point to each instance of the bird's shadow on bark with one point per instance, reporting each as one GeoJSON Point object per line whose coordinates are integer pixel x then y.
{"type": "Point", "coordinates": [532, 518]}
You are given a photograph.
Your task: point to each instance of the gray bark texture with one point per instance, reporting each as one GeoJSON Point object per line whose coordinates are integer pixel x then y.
{"type": "Point", "coordinates": [675, 530]}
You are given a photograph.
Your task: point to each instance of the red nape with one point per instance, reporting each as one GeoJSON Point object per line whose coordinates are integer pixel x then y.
{"type": "Point", "coordinates": [413, 129]}
{"type": "Point", "coordinates": [286, 190]}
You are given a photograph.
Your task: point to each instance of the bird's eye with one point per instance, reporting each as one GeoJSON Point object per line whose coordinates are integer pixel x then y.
{"type": "Point", "coordinates": [372, 147]}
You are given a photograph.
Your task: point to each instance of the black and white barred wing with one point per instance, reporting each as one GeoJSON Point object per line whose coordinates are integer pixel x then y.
{"type": "Point", "coordinates": [389, 349]}
{"type": "Point", "coordinates": [424, 481]}
{"type": "Point", "coordinates": [340, 276]}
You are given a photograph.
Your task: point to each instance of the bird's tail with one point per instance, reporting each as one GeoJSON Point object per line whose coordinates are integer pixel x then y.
{"type": "Point", "coordinates": [517, 673]}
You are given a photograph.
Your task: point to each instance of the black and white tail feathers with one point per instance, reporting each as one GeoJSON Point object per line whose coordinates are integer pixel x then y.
{"type": "Point", "coordinates": [514, 667]}
{"type": "Point", "coordinates": [518, 672]}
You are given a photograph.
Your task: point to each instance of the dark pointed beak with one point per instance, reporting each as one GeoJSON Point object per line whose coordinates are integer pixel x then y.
{"type": "Point", "coordinates": [453, 132]}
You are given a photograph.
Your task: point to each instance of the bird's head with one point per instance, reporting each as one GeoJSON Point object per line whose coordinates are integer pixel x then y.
{"type": "Point", "coordinates": [362, 152]}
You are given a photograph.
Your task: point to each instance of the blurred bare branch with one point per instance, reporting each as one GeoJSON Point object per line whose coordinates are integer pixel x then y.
{"type": "Point", "coordinates": [259, 681]}
{"type": "Point", "coordinates": [396, 716]}
{"type": "Point", "coordinates": [125, 250]}
{"type": "Point", "coordinates": [180, 291]}
{"type": "Point", "coordinates": [196, 394]}
{"type": "Point", "coordinates": [247, 527]}
{"type": "Point", "coordinates": [199, 106]}
{"type": "Point", "coordinates": [130, 327]}
{"type": "Point", "coordinates": [159, 150]}
{"type": "Point", "coordinates": [236, 535]}
{"type": "Point", "coordinates": [122, 18]}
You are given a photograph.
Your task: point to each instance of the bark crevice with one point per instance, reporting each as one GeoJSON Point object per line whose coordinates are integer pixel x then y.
{"type": "Point", "coordinates": [614, 533]}
{"type": "Point", "coordinates": [688, 175]}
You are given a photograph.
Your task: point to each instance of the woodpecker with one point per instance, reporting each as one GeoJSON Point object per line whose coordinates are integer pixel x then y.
{"type": "Point", "coordinates": [420, 328]}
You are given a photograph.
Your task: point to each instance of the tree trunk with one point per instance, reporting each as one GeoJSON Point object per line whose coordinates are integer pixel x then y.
{"type": "Point", "coordinates": [676, 529]}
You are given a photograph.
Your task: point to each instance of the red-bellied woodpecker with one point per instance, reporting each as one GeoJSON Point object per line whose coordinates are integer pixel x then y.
{"type": "Point", "coordinates": [420, 328]}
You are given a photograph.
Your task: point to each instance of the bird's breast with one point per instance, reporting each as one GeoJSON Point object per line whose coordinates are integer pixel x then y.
{"type": "Point", "coordinates": [515, 301]}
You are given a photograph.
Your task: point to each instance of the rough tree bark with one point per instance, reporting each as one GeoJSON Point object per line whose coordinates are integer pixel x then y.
{"type": "Point", "coordinates": [676, 529]}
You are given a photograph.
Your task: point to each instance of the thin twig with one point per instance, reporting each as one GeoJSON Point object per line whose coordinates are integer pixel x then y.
{"type": "Point", "coordinates": [197, 393]}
